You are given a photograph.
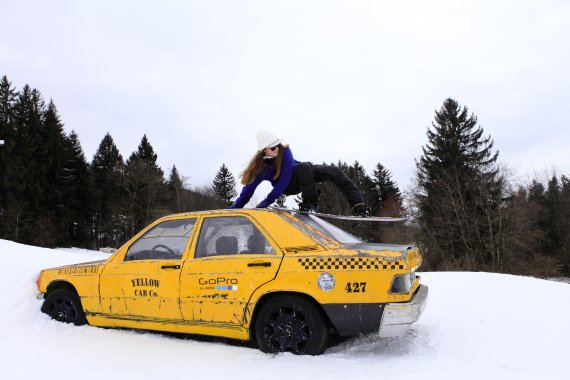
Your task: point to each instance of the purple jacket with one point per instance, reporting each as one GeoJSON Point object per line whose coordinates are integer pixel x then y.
{"type": "Point", "coordinates": [279, 185]}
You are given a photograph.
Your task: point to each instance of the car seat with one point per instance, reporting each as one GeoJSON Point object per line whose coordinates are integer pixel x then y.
{"type": "Point", "coordinates": [255, 244]}
{"type": "Point", "coordinates": [226, 245]}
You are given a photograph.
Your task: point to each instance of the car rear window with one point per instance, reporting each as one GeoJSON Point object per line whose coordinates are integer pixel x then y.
{"type": "Point", "coordinates": [330, 230]}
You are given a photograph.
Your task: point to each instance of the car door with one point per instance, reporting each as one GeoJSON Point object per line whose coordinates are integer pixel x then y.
{"type": "Point", "coordinates": [144, 285]}
{"type": "Point", "coordinates": [233, 256]}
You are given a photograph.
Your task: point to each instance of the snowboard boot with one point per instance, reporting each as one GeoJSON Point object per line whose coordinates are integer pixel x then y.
{"type": "Point", "coordinates": [360, 209]}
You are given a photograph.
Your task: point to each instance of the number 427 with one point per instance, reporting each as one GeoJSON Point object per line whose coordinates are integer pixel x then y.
{"type": "Point", "coordinates": [355, 287]}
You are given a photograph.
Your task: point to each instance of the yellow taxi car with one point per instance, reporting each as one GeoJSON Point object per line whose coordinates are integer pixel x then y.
{"type": "Point", "coordinates": [283, 279]}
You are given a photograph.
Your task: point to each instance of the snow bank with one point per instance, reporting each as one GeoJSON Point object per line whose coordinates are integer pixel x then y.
{"type": "Point", "coordinates": [476, 326]}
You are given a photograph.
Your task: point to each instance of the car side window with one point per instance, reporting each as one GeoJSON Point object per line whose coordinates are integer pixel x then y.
{"type": "Point", "coordinates": [164, 241]}
{"type": "Point", "coordinates": [231, 235]}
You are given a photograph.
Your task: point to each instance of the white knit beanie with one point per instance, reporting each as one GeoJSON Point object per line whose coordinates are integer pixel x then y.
{"type": "Point", "coordinates": [267, 139]}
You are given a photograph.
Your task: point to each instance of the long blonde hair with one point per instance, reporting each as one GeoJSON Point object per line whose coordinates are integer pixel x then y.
{"type": "Point", "coordinates": [256, 165]}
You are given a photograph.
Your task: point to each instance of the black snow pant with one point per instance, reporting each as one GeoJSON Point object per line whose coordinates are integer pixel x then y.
{"type": "Point", "coordinates": [306, 175]}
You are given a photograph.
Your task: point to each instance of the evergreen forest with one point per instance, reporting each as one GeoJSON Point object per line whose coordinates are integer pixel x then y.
{"type": "Point", "coordinates": [465, 209]}
{"type": "Point", "coordinates": [51, 196]}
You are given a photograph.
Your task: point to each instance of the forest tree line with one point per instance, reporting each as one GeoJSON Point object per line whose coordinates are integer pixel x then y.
{"type": "Point", "coordinates": [465, 210]}
{"type": "Point", "coordinates": [51, 196]}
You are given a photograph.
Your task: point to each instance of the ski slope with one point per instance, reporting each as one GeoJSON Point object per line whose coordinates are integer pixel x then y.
{"type": "Point", "coordinates": [476, 326]}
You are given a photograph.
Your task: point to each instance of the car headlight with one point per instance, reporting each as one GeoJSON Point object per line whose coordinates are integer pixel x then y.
{"type": "Point", "coordinates": [402, 284]}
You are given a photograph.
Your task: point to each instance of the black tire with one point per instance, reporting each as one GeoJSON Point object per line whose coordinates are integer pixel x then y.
{"type": "Point", "coordinates": [291, 323]}
{"type": "Point", "coordinates": [64, 305]}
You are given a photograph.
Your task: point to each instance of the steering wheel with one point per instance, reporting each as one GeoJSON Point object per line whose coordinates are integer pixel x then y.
{"type": "Point", "coordinates": [161, 248]}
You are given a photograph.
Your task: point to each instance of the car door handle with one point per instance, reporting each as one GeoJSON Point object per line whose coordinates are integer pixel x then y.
{"type": "Point", "coordinates": [170, 267]}
{"type": "Point", "coordinates": [259, 264]}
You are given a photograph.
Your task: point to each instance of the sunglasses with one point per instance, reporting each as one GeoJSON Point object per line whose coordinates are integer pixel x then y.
{"type": "Point", "coordinates": [273, 148]}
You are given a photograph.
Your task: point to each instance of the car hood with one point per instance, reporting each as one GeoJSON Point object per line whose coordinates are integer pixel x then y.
{"type": "Point", "coordinates": [79, 265]}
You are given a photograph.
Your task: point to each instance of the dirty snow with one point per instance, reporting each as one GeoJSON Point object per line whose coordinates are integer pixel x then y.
{"type": "Point", "coordinates": [476, 326]}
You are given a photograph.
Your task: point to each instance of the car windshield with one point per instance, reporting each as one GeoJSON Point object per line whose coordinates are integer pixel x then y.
{"type": "Point", "coordinates": [328, 229]}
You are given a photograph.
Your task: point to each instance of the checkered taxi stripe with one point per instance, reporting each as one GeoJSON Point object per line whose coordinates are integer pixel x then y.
{"type": "Point", "coordinates": [316, 263]}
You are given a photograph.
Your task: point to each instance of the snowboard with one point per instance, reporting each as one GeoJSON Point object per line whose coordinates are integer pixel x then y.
{"type": "Point", "coordinates": [346, 217]}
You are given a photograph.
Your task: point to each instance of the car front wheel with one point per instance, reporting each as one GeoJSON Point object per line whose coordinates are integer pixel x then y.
{"type": "Point", "coordinates": [64, 305]}
{"type": "Point", "coordinates": [291, 323]}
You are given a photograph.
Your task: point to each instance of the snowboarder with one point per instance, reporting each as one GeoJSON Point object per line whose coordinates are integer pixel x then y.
{"type": "Point", "coordinates": [274, 162]}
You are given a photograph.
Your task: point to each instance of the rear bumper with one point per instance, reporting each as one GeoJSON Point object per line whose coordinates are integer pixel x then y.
{"type": "Point", "coordinates": [398, 317]}
{"type": "Point", "coordinates": [387, 319]}
{"type": "Point", "coordinates": [356, 318]}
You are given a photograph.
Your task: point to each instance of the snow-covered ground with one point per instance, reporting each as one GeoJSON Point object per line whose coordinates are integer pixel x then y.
{"type": "Point", "coordinates": [476, 326]}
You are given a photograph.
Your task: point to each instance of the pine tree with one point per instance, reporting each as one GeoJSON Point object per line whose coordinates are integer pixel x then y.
{"type": "Point", "coordinates": [455, 145]}
{"type": "Point", "coordinates": [224, 185]}
{"type": "Point", "coordinates": [541, 244]}
{"type": "Point", "coordinates": [55, 144]}
{"type": "Point", "coordinates": [175, 189]}
{"type": "Point", "coordinates": [28, 171]}
{"type": "Point", "coordinates": [459, 192]}
{"type": "Point", "coordinates": [553, 221]}
{"type": "Point", "coordinates": [7, 99]}
{"type": "Point", "coordinates": [564, 224]}
{"type": "Point", "coordinates": [107, 170]}
{"type": "Point", "coordinates": [54, 141]}
{"type": "Point", "coordinates": [387, 194]}
{"type": "Point", "coordinates": [536, 208]}
{"type": "Point", "coordinates": [7, 157]}
{"type": "Point", "coordinates": [552, 203]}
{"type": "Point", "coordinates": [145, 152]}
{"type": "Point", "coordinates": [145, 182]}
{"type": "Point", "coordinates": [76, 195]}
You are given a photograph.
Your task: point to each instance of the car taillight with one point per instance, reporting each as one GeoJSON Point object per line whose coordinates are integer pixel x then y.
{"type": "Point", "coordinates": [402, 284]}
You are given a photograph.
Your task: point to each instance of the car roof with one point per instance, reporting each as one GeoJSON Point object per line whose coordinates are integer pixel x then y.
{"type": "Point", "coordinates": [285, 231]}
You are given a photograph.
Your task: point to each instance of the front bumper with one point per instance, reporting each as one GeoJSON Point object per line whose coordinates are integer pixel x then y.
{"type": "Point", "coordinates": [397, 317]}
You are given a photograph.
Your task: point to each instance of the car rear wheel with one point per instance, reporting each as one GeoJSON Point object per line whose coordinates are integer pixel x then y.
{"type": "Point", "coordinates": [291, 323]}
{"type": "Point", "coordinates": [64, 305]}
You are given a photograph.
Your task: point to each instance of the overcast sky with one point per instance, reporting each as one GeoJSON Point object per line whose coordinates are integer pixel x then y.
{"type": "Point", "coordinates": [349, 80]}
